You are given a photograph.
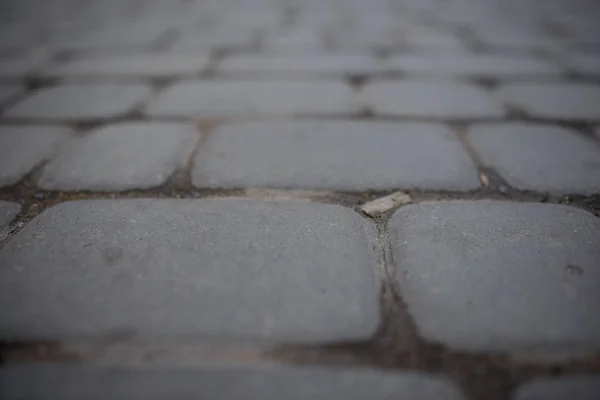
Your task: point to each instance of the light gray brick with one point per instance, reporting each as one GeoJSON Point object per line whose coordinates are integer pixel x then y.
{"type": "Point", "coordinates": [477, 65]}
{"type": "Point", "coordinates": [8, 92]}
{"type": "Point", "coordinates": [565, 101]}
{"type": "Point", "coordinates": [226, 268]}
{"type": "Point", "coordinates": [540, 157]}
{"type": "Point", "coordinates": [220, 382]}
{"type": "Point", "coordinates": [120, 157]}
{"type": "Point", "coordinates": [334, 155]}
{"type": "Point", "coordinates": [132, 65]}
{"type": "Point", "coordinates": [253, 98]}
{"type": "Point", "coordinates": [269, 65]}
{"type": "Point", "coordinates": [489, 276]}
{"type": "Point", "coordinates": [22, 148]}
{"type": "Point", "coordinates": [587, 64]}
{"type": "Point", "coordinates": [430, 99]}
{"type": "Point", "coordinates": [425, 38]}
{"type": "Point", "coordinates": [8, 211]}
{"type": "Point", "coordinates": [578, 387]}
{"type": "Point", "coordinates": [81, 101]}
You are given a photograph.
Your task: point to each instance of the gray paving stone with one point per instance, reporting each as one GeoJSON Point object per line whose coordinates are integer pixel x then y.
{"type": "Point", "coordinates": [584, 387]}
{"type": "Point", "coordinates": [587, 64]}
{"type": "Point", "coordinates": [8, 211]}
{"type": "Point", "coordinates": [81, 101]}
{"type": "Point", "coordinates": [121, 156]}
{"type": "Point", "coordinates": [16, 67]}
{"type": "Point", "coordinates": [334, 155]}
{"type": "Point", "coordinates": [478, 65]}
{"type": "Point", "coordinates": [489, 276]}
{"type": "Point", "coordinates": [24, 147]}
{"type": "Point", "coordinates": [227, 268]}
{"type": "Point", "coordinates": [565, 101]}
{"type": "Point", "coordinates": [253, 98]}
{"type": "Point", "coordinates": [219, 382]}
{"type": "Point", "coordinates": [269, 65]}
{"type": "Point", "coordinates": [134, 65]}
{"type": "Point", "coordinates": [540, 157]}
{"type": "Point", "coordinates": [8, 91]}
{"type": "Point", "coordinates": [430, 99]}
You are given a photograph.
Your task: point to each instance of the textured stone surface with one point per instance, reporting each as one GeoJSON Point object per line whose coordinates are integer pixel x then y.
{"type": "Point", "coordinates": [14, 67]}
{"type": "Point", "coordinates": [81, 101]}
{"type": "Point", "coordinates": [22, 148]}
{"type": "Point", "coordinates": [574, 388]}
{"type": "Point", "coordinates": [513, 274]}
{"type": "Point", "coordinates": [430, 99]}
{"type": "Point", "coordinates": [482, 65]}
{"type": "Point", "coordinates": [134, 65]}
{"type": "Point", "coordinates": [262, 65]}
{"type": "Point", "coordinates": [227, 268]}
{"type": "Point", "coordinates": [540, 157]}
{"type": "Point", "coordinates": [8, 92]}
{"type": "Point", "coordinates": [565, 101]}
{"type": "Point", "coordinates": [121, 156]}
{"type": "Point", "coordinates": [253, 98]}
{"type": "Point", "coordinates": [8, 211]}
{"type": "Point", "coordinates": [220, 382]}
{"type": "Point", "coordinates": [334, 155]}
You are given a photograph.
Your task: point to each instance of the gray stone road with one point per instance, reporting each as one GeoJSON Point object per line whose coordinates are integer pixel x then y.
{"type": "Point", "coordinates": [183, 189]}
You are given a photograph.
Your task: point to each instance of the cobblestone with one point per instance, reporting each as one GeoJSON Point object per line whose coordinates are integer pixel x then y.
{"type": "Point", "coordinates": [22, 148]}
{"type": "Point", "coordinates": [474, 65]}
{"type": "Point", "coordinates": [183, 268]}
{"type": "Point", "coordinates": [78, 101]}
{"type": "Point", "coordinates": [542, 158]}
{"type": "Point", "coordinates": [565, 101]}
{"type": "Point", "coordinates": [334, 155]}
{"type": "Point", "coordinates": [8, 211]}
{"type": "Point", "coordinates": [576, 388]}
{"type": "Point", "coordinates": [253, 98]}
{"type": "Point", "coordinates": [430, 99]}
{"type": "Point", "coordinates": [587, 64]}
{"type": "Point", "coordinates": [295, 65]}
{"type": "Point", "coordinates": [514, 274]}
{"type": "Point", "coordinates": [120, 157]}
{"type": "Point", "coordinates": [215, 382]}
{"type": "Point", "coordinates": [146, 65]}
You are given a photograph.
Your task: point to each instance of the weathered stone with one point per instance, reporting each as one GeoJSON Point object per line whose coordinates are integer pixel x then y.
{"type": "Point", "coordinates": [220, 382]}
{"type": "Point", "coordinates": [8, 212]}
{"type": "Point", "coordinates": [226, 268]}
{"type": "Point", "coordinates": [573, 387]}
{"type": "Point", "coordinates": [487, 276]}
{"type": "Point", "coordinates": [22, 148]}
{"type": "Point", "coordinates": [344, 155]}
{"type": "Point", "coordinates": [121, 156]}
{"type": "Point", "coordinates": [539, 157]}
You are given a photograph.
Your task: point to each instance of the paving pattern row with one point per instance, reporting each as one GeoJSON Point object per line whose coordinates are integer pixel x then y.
{"type": "Point", "coordinates": [181, 187]}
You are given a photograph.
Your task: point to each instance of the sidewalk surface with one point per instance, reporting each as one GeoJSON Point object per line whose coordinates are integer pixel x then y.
{"type": "Point", "coordinates": [199, 199]}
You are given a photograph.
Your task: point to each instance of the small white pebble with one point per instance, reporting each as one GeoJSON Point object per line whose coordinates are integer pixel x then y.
{"type": "Point", "coordinates": [386, 203]}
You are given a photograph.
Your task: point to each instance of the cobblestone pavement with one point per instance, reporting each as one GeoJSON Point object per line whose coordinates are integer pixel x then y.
{"type": "Point", "coordinates": [199, 199]}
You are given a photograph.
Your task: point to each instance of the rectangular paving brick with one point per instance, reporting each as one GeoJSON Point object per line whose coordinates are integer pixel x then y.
{"type": "Point", "coordinates": [269, 65]}
{"type": "Point", "coordinates": [80, 101]}
{"type": "Point", "coordinates": [487, 276]}
{"type": "Point", "coordinates": [253, 98]}
{"type": "Point", "coordinates": [121, 156]}
{"type": "Point", "coordinates": [475, 65]}
{"type": "Point", "coordinates": [132, 65]}
{"type": "Point", "coordinates": [8, 211]}
{"type": "Point", "coordinates": [539, 157]}
{"type": "Point", "coordinates": [430, 99]}
{"type": "Point", "coordinates": [22, 148]}
{"type": "Point", "coordinates": [561, 100]}
{"type": "Point", "coordinates": [219, 382]}
{"type": "Point", "coordinates": [333, 155]}
{"type": "Point", "coordinates": [227, 268]}
{"type": "Point", "coordinates": [578, 387]}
